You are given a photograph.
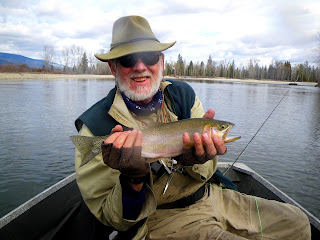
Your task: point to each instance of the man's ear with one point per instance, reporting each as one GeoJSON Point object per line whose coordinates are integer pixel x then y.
{"type": "Point", "coordinates": [112, 67]}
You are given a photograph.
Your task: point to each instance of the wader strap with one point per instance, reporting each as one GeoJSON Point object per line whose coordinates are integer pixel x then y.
{"type": "Point", "coordinates": [186, 201]}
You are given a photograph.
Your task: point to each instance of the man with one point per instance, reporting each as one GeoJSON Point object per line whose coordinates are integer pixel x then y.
{"type": "Point", "coordinates": [154, 202]}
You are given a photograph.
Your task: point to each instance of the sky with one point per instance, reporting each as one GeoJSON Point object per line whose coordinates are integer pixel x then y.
{"type": "Point", "coordinates": [227, 30]}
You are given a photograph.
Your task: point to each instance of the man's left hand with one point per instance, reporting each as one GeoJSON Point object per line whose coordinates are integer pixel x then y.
{"type": "Point", "coordinates": [205, 147]}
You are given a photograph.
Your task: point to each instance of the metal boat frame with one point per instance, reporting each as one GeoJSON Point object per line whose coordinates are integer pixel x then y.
{"type": "Point", "coordinates": [51, 213]}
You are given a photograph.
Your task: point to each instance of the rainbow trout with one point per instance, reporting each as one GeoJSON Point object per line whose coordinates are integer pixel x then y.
{"type": "Point", "coordinates": [160, 139]}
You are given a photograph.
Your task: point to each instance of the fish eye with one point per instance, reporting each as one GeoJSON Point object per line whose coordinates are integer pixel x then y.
{"type": "Point", "coordinates": [224, 127]}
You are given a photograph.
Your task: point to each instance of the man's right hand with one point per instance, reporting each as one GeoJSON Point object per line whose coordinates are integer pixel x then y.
{"type": "Point", "coordinates": [122, 151]}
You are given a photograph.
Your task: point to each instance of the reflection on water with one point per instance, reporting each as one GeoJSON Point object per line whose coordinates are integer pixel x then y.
{"type": "Point", "coordinates": [37, 119]}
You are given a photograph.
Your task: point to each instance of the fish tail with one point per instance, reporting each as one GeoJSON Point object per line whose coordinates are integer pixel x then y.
{"type": "Point", "coordinates": [88, 147]}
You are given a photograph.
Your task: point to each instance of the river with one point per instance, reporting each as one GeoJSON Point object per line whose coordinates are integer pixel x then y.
{"type": "Point", "coordinates": [37, 118]}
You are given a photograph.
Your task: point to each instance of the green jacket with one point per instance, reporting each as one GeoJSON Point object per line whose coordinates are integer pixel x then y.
{"type": "Point", "coordinates": [99, 184]}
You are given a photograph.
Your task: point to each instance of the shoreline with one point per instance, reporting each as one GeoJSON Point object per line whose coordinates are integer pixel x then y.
{"type": "Point", "coordinates": [48, 76]}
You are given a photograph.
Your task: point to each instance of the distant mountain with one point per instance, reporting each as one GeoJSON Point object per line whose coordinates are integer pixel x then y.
{"type": "Point", "coordinates": [8, 58]}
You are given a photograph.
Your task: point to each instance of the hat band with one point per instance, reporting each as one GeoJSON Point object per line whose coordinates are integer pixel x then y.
{"type": "Point", "coordinates": [133, 40]}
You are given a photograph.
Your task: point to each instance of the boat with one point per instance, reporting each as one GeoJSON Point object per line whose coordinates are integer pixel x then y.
{"type": "Point", "coordinates": [60, 213]}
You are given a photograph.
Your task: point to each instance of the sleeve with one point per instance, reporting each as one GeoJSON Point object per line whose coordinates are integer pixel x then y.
{"type": "Point", "coordinates": [201, 172]}
{"type": "Point", "coordinates": [197, 109]}
{"type": "Point", "coordinates": [102, 191]}
{"type": "Point", "coordinates": [132, 200]}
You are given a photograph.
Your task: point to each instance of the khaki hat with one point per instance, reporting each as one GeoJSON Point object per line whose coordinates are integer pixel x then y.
{"type": "Point", "coordinates": [132, 34]}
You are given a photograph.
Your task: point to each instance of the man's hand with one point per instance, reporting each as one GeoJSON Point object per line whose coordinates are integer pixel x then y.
{"type": "Point", "coordinates": [205, 147]}
{"type": "Point", "coordinates": [122, 151]}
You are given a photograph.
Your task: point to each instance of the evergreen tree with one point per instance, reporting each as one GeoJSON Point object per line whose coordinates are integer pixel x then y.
{"type": "Point", "coordinates": [287, 71]}
{"type": "Point", "coordinates": [180, 66]}
{"type": "Point", "coordinates": [169, 69]}
{"type": "Point", "coordinates": [201, 70]}
{"type": "Point", "coordinates": [190, 69]}
{"type": "Point", "coordinates": [209, 68]}
{"type": "Point", "coordinates": [231, 70]}
{"type": "Point", "coordinates": [84, 63]}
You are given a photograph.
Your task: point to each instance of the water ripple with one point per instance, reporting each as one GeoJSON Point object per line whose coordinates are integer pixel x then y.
{"type": "Point", "coordinates": [37, 118]}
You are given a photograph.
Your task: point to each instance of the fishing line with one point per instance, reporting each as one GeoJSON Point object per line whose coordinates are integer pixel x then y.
{"type": "Point", "coordinates": [257, 131]}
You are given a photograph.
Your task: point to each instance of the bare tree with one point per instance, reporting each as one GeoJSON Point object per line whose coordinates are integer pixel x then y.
{"type": "Point", "coordinates": [317, 52]}
{"type": "Point", "coordinates": [80, 51]}
{"type": "Point", "coordinates": [66, 57]}
{"type": "Point", "coordinates": [48, 56]}
{"type": "Point", "coordinates": [91, 61]}
{"type": "Point", "coordinates": [73, 53]}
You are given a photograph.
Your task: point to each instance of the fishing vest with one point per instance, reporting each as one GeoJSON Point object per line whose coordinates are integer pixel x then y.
{"type": "Point", "coordinates": [100, 123]}
{"type": "Point", "coordinates": [182, 98]}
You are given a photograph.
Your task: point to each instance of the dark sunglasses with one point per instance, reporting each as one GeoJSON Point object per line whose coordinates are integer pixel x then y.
{"type": "Point", "coordinates": [148, 58]}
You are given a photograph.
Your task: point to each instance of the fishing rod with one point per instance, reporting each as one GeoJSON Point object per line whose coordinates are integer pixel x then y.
{"type": "Point", "coordinates": [245, 148]}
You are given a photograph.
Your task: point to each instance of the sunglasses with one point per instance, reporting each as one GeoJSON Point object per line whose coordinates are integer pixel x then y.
{"type": "Point", "coordinates": [148, 58]}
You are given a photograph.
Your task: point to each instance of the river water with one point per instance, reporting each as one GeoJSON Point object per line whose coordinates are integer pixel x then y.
{"type": "Point", "coordinates": [37, 118]}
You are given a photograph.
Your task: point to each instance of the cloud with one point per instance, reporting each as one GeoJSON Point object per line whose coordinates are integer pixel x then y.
{"type": "Point", "coordinates": [226, 30]}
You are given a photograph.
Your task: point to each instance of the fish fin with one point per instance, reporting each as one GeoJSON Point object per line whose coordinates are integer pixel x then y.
{"type": "Point", "coordinates": [206, 129]}
{"type": "Point", "coordinates": [87, 158]}
{"type": "Point", "coordinates": [231, 139]}
{"type": "Point", "coordinates": [88, 146]}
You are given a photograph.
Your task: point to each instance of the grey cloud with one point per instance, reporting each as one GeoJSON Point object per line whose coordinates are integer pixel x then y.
{"type": "Point", "coordinates": [16, 4]}
{"type": "Point", "coordinates": [26, 46]}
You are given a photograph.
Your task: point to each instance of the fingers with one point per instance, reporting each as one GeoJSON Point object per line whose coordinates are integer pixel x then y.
{"type": "Point", "coordinates": [198, 144]}
{"type": "Point", "coordinates": [220, 145]}
{"type": "Point", "coordinates": [112, 137]}
{"type": "Point", "coordinates": [125, 139]}
{"type": "Point", "coordinates": [118, 143]}
{"type": "Point", "coordinates": [209, 114]}
{"type": "Point", "coordinates": [186, 140]}
{"type": "Point", "coordinates": [117, 138]}
{"type": "Point", "coordinates": [130, 139]}
{"type": "Point", "coordinates": [206, 144]}
{"type": "Point", "coordinates": [117, 128]}
{"type": "Point", "coordinates": [138, 141]}
{"type": "Point", "coordinates": [134, 139]}
{"type": "Point", "coordinates": [209, 145]}
{"type": "Point", "coordinates": [116, 132]}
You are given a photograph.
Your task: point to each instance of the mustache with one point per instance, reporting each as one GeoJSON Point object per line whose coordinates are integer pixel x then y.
{"type": "Point", "coordinates": [140, 75]}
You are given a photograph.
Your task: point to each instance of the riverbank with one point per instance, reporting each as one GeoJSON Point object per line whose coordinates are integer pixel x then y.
{"type": "Point", "coordinates": [48, 76]}
{"type": "Point", "coordinates": [242, 80]}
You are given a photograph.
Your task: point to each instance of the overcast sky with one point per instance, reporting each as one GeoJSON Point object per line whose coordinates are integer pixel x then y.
{"type": "Point", "coordinates": [282, 30]}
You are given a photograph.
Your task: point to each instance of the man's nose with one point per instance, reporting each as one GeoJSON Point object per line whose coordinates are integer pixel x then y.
{"type": "Point", "coordinates": [139, 66]}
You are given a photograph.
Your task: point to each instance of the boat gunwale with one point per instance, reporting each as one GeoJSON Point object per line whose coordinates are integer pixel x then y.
{"type": "Point", "coordinates": [15, 213]}
{"type": "Point", "coordinates": [238, 167]}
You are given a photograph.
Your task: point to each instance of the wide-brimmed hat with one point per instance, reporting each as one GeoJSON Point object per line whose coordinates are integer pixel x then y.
{"type": "Point", "coordinates": [132, 34]}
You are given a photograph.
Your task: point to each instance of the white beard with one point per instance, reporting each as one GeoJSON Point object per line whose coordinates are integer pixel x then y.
{"type": "Point", "coordinates": [140, 93]}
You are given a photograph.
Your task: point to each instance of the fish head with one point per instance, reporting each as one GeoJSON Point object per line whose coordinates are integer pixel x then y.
{"type": "Point", "coordinates": [221, 130]}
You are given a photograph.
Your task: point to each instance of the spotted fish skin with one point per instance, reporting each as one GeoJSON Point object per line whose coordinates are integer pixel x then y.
{"type": "Point", "coordinates": [160, 139]}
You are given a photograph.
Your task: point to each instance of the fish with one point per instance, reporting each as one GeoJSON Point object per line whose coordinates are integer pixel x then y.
{"type": "Point", "coordinates": [160, 140]}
